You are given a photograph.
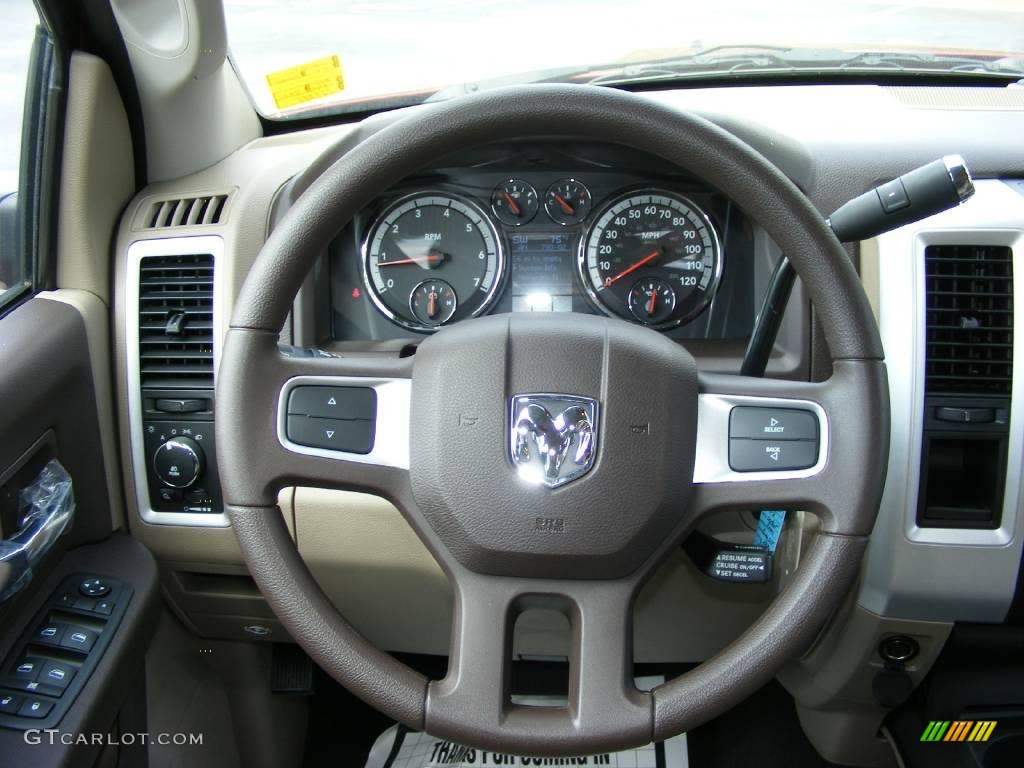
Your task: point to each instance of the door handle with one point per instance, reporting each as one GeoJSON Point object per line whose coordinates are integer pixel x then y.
{"type": "Point", "coordinates": [50, 507]}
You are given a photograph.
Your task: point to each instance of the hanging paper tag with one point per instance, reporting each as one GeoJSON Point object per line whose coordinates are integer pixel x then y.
{"type": "Point", "coordinates": [769, 528]}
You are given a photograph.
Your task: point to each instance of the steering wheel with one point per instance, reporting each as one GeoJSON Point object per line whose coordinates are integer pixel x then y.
{"type": "Point", "coordinates": [656, 453]}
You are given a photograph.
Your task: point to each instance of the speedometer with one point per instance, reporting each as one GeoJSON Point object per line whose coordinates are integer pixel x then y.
{"type": "Point", "coordinates": [652, 257]}
{"type": "Point", "coordinates": [432, 259]}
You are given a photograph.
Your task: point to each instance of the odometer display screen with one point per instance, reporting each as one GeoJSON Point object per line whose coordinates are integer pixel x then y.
{"type": "Point", "coordinates": [652, 257]}
{"type": "Point", "coordinates": [541, 274]}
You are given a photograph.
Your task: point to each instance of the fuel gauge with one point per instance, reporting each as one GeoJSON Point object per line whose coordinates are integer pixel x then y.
{"type": "Point", "coordinates": [433, 302]}
{"type": "Point", "coordinates": [514, 202]}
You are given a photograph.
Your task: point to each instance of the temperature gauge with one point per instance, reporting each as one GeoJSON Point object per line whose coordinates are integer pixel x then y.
{"type": "Point", "coordinates": [433, 302]}
{"type": "Point", "coordinates": [652, 301]}
{"type": "Point", "coordinates": [567, 202]}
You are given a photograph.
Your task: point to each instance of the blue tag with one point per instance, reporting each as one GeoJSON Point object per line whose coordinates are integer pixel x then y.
{"type": "Point", "coordinates": [769, 528]}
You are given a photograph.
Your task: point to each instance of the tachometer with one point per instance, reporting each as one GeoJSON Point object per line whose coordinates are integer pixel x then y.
{"type": "Point", "coordinates": [652, 257]}
{"type": "Point", "coordinates": [432, 258]}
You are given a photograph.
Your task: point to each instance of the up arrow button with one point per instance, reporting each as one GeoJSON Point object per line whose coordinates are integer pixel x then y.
{"type": "Point", "coordinates": [324, 402]}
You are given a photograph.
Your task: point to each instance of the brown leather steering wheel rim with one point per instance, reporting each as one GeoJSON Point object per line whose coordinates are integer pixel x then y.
{"type": "Point", "coordinates": [249, 381]}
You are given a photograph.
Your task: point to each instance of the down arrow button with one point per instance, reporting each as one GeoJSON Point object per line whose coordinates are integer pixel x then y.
{"type": "Point", "coordinates": [348, 435]}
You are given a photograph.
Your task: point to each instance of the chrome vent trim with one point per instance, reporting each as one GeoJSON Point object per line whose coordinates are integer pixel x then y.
{"type": "Point", "coordinates": [138, 252]}
{"type": "Point", "coordinates": [940, 574]}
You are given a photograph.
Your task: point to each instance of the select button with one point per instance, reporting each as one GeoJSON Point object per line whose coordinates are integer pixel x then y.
{"type": "Point", "coordinates": [757, 423]}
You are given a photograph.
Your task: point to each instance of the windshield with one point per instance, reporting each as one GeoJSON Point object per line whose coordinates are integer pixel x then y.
{"type": "Point", "coordinates": [346, 55]}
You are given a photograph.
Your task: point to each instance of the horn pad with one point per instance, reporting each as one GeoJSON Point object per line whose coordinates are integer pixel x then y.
{"type": "Point", "coordinates": [518, 475]}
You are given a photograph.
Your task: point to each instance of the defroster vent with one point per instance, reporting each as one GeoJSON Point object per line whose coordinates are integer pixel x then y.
{"type": "Point", "coordinates": [176, 321]}
{"type": "Point", "coordinates": [969, 292]}
{"type": "Point", "coordinates": [186, 211]}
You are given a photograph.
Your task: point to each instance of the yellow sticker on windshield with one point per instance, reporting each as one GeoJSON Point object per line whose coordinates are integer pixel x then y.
{"type": "Point", "coordinates": [306, 82]}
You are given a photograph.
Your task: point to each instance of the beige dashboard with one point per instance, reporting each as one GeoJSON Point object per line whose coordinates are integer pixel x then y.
{"type": "Point", "coordinates": [834, 141]}
{"type": "Point", "coordinates": [360, 549]}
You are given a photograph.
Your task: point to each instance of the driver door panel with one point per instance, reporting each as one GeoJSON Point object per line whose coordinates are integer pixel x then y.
{"type": "Point", "coordinates": [49, 411]}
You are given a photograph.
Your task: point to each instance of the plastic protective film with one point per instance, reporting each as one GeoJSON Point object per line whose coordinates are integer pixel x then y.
{"type": "Point", "coordinates": [45, 510]}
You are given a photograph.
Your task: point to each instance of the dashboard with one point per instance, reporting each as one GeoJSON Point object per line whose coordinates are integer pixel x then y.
{"type": "Point", "coordinates": [545, 227]}
{"type": "Point", "coordinates": [921, 574]}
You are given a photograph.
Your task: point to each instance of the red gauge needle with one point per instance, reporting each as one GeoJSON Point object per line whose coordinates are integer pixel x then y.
{"type": "Point", "coordinates": [650, 303]}
{"type": "Point", "coordinates": [512, 205]}
{"type": "Point", "coordinates": [432, 305]}
{"type": "Point", "coordinates": [569, 210]}
{"type": "Point", "coordinates": [633, 268]}
{"type": "Point", "coordinates": [413, 260]}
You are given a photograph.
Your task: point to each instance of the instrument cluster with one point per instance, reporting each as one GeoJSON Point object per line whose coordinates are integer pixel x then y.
{"type": "Point", "coordinates": [640, 244]}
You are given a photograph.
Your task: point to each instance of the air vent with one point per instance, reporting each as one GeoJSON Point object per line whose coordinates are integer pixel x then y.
{"type": "Point", "coordinates": [969, 291]}
{"type": "Point", "coordinates": [186, 211]}
{"type": "Point", "coordinates": [176, 321]}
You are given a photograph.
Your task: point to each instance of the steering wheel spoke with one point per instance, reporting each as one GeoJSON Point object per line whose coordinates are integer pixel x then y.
{"type": "Point", "coordinates": [323, 421]}
{"type": "Point", "coordinates": [780, 444]}
{"type": "Point", "coordinates": [475, 700]}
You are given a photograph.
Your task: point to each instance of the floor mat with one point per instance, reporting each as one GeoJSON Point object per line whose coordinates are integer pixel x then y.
{"type": "Point", "coordinates": [763, 731]}
{"type": "Point", "coordinates": [341, 727]}
{"type": "Point", "coordinates": [399, 748]}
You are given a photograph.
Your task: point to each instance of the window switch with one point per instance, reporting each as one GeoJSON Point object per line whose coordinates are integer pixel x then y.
{"type": "Point", "coordinates": [78, 639]}
{"type": "Point", "coordinates": [57, 674]}
{"type": "Point", "coordinates": [27, 669]}
{"type": "Point", "coordinates": [50, 633]}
